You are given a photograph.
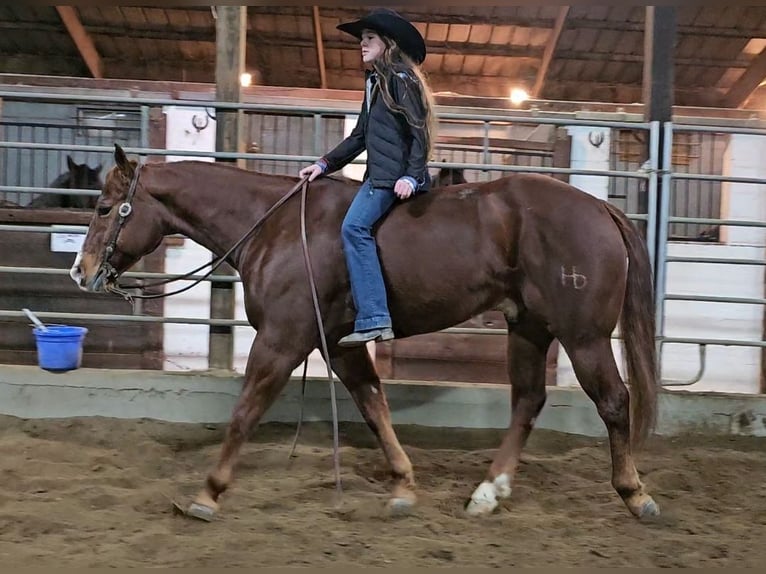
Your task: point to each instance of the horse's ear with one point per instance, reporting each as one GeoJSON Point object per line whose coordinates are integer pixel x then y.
{"type": "Point", "coordinates": [70, 163]}
{"type": "Point", "coordinates": [97, 170]}
{"type": "Point", "coordinates": [122, 161]}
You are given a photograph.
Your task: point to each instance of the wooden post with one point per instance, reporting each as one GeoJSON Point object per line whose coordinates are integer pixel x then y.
{"type": "Point", "coordinates": [230, 33]}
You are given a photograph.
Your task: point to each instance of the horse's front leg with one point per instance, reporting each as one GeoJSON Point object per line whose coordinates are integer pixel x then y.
{"type": "Point", "coordinates": [357, 372]}
{"type": "Point", "coordinates": [268, 369]}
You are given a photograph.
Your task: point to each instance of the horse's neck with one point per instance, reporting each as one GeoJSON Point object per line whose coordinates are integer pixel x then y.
{"type": "Point", "coordinates": [213, 215]}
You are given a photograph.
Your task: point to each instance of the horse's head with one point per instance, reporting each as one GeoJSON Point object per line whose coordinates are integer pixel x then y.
{"type": "Point", "coordinates": [78, 176]}
{"type": "Point", "coordinates": [124, 228]}
{"type": "Point", "coordinates": [449, 176]}
{"type": "Point", "coordinates": [82, 176]}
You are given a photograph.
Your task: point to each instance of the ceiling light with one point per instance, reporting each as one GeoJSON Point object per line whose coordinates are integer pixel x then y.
{"type": "Point", "coordinates": [518, 96]}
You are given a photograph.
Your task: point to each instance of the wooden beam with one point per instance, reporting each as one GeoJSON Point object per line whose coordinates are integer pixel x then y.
{"type": "Point", "coordinates": [231, 34]}
{"type": "Point", "coordinates": [82, 40]}
{"type": "Point", "coordinates": [459, 48]}
{"type": "Point", "coordinates": [45, 216]}
{"type": "Point", "coordinates": [320, 47]}
{"type": "Point", "coordinates": [550, 48]}
{"type": "Point", "coordinates": [747, 83]}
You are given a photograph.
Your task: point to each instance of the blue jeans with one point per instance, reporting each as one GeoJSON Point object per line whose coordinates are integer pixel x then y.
{"type": "Point", "coordinates": [360, 250]}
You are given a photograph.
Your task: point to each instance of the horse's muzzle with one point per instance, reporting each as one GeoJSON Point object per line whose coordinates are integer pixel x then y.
{"type": "Point", "coordinates": [97, 284]}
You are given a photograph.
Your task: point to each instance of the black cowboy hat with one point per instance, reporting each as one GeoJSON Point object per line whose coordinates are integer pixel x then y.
{"type": "Point", "coordinates": [392, 25]}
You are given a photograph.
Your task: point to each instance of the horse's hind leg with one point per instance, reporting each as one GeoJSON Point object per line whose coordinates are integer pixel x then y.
{"type": "Point", "coordinates": [268, 370]}
{"type": "Point", "coordinates": [595, 367]}
{"type": "Point", "coordinates": [356, 371]}
{"type": "Point", "coordinates": [527, 347]}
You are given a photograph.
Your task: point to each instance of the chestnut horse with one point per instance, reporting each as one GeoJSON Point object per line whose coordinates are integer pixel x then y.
{"type": "Point", "coordinates": [556, 261]}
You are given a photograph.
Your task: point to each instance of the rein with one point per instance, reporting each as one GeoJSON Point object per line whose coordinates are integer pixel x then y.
{"type": "Point", "coordinates": [126, 209]}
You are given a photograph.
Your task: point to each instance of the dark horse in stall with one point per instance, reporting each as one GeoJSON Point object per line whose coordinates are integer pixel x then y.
{"type": "Point", "coordinates": [556, 261]}
{"type": "Point", "coordinates": [79, 176]}
{"type": "Point", "coordinates": [449, 176]}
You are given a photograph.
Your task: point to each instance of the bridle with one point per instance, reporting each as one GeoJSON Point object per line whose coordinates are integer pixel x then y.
{"type": "Point", "coordinates": [106, 269]}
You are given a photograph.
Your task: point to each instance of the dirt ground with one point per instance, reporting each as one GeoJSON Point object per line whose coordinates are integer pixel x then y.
{"type": "Point", "coordinates": [96, 492]}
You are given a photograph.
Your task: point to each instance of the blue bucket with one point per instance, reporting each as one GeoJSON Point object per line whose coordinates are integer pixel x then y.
{"type": "Point", "coordinates": [60, 347]}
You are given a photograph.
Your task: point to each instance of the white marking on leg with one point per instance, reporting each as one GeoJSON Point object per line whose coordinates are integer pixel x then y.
{"type": "Point", "coordinates": [503, 486]}
{"type": "Point", "coordinates": [484, 498]}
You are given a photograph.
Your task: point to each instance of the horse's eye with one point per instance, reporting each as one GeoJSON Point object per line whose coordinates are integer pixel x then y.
{"type": "Point", "coordinates": [103, 210]}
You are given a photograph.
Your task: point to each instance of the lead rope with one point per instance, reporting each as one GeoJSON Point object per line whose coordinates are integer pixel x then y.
{"type": "Point", "coordinates": [320, 325]}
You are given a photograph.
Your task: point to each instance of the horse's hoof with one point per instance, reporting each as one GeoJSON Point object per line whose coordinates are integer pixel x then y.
{"type": "Point", "coordinates": [648, 509]}
{"type": "Point", "coordinates": [482, 507]}
{"type": "Point", "coordinates": [399, 506]}
{"type": "Point", "coordinates": [484, 499]}
{"type": "Point", "coordinates": [200, 512]}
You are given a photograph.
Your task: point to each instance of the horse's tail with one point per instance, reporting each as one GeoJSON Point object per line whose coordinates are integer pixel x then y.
{"type": "Point", "coordinates": [637, 325]}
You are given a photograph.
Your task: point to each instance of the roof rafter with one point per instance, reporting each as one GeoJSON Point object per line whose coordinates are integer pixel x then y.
{"type": "Point", "coordinates": [550, 49]}
{"type": "Point", "coordinates": [82, 40]}
{"type": "Point", "coordinates": [320, 47]}
{"type": "Point", "coordinates": [747, 83]}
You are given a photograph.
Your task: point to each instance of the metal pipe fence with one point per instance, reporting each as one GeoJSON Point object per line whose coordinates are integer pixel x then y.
{"type": "Point", "coordinates": [657, 214]}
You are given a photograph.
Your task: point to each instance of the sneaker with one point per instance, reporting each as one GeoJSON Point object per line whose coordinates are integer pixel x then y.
{"type": "Point", "coordinates": [359, 338]}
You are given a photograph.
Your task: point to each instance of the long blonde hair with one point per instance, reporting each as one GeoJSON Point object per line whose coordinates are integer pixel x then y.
{"type": "Point", "coordinates": [392, 61]}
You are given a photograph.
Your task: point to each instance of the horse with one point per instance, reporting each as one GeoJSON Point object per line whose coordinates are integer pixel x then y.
{"type": "Point", "coordinates": [558, 262]}
{"type": "Point", "coordinates": [78, 176]}
{"type": "Point", "coordinates": [449, 176]}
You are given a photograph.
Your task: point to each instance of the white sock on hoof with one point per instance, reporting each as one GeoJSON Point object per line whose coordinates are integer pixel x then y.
{"type": "Point", "coordinates": [484, 498]}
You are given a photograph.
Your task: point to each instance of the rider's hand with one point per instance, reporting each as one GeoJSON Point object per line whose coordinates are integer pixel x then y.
{"type": "Point", "coordinates": [403, 189]}
{"type": "Point", "coordinates": [313, 171]}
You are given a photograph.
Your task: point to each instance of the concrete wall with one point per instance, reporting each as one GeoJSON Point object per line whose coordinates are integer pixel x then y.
{"type": "Point", "coordinates": [29, 392]}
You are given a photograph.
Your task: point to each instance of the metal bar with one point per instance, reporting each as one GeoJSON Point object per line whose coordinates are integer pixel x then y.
{"type": "Point", "coordinates": [129, 318]}
{"type": "Point", "coordinates": [695, 379]}
{"type": "Point", "coordinates": [715, 261]}
{"type": "Point", "coordinates": [720, 342]}
{"type": "Point", "coordinates": [49, 190]}
{"type": "Point", "coordinates": [535, 117]}
{"type": "Point", "coordinates": [662, 236]}
{"type": "Point", "coordinates": [46, 229]}
{"type": "Point", "coordinates": [129, 274]}
{"type": "Point", "coordinates": [202, 321]}
{"type": "Point", "coordinates": [713, 299]}
{"type": "Point", "coordinates": [144, 133]}
{"type": "Point", "coordinates": [486, 159]}
{"type": "Point", "coordinates": [720, 129]}
{"type": "Point", "coordinates": [728, 222]}
{"type": "Point", "coordinates": [308, 159]}
{"type": "Point", "coordinates": [241, 323]}
{"type": "Point", "coordinates": [59, 124]}
{"type": "Point", "coordinates": [711, 177]}
{"type": "Point", "coordinates": [651, 211]}
{"type": "Point", "coordinates": [318, 145]}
